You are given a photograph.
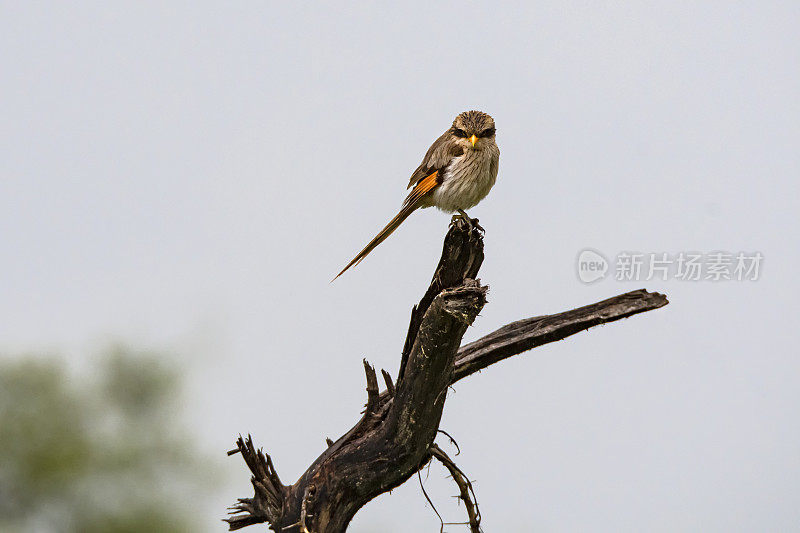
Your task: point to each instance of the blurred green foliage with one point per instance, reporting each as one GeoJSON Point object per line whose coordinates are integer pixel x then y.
{"type": "Point", "coordinates": [96, 451]}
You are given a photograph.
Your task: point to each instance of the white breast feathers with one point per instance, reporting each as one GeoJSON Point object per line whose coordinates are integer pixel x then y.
{"type": "Point", "coordinates": [467, 180]}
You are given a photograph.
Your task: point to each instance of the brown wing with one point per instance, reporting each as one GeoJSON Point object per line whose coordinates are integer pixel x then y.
{"type": "Point", "coordinates": [411, 203]}
{"type": "Point", "coordinates": [438, 156]}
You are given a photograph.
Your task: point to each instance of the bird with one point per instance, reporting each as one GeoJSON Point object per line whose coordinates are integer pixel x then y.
{"type": "Point", "coordinates": [457, 172]}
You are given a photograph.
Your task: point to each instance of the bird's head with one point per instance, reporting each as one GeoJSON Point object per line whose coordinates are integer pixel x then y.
{"type": "Point", "coordinates": [473, 130]}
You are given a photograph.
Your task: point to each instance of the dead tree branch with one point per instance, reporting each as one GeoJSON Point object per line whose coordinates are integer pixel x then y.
{"type": "Point", "coordinates": [523, 335]}
{"type": "Point", "coordinates": [394, 437]}
{"type": "Point", "coordinates": [267, 503]}
{"type": "Point", "coordinates": [466, 493]}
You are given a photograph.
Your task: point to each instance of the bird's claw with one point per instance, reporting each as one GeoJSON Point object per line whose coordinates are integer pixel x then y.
{"type": "Point", "coordinates": [471, 222]}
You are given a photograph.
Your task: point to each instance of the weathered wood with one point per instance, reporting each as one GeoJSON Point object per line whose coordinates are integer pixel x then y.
{"type": "Point", "coordinates": [465, 492]}
{"type": "Point", "coordinates": [398, 443]}
{"type": "Point", "coordinates": [526, 334]}
{"type": "Point", "coordinates": [462, 256]}
{"type": "Point", "coordinates": [394, 437]}
{"type": "Point", "coordinates": [267, 503]}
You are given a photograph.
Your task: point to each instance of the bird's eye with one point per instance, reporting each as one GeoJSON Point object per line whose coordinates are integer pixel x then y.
{"type": "Point", "coordinates": [488, 132]}
{"type": "Point", "coordinates": [459, 133]}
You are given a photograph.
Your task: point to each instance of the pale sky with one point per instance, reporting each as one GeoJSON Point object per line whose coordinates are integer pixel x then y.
{"type": "Point", "coordinates": [190, 175]}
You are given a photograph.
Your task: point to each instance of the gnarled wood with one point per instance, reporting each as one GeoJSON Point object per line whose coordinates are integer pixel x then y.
{"type": "Point", "coordinates": [394, 437]}
{"type": "Point", "coordinates": [526, 334]}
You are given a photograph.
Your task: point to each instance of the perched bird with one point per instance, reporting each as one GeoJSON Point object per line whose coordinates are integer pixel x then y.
{"type": "Point", "coordinates": [456, 173]}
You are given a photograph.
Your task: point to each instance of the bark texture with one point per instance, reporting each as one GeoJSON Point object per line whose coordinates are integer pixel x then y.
{"type": "Point", "coordinates": [395, 436]}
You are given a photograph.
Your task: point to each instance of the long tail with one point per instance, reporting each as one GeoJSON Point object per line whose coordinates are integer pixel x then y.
{"type": "Point", "coordinates": [380, 237]}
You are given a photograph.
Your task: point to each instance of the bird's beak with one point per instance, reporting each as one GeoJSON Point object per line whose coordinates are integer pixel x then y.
{"type": "Point", "coordinates": [473, 140]}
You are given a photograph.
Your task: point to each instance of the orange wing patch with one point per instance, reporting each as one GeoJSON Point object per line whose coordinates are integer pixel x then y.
{"type": "Point", "coordinates": [423, 187]}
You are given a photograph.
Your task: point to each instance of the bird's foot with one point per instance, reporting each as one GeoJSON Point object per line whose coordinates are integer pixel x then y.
{"type": "Point", "coordinates": [471, 222]}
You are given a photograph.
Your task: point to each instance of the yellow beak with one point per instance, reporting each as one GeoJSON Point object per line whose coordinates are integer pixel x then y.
{"type": "Point", "coordinates": [473, 140]}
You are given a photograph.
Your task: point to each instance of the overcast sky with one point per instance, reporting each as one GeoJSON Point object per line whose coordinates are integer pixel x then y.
{"type": "Point", "coordinates": [190, 176]}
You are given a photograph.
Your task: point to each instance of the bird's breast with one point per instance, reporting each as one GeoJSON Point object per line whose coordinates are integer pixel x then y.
{"type": "Point", "coordinates": [467, 180]}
